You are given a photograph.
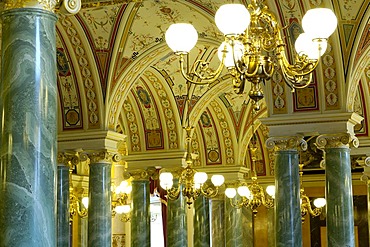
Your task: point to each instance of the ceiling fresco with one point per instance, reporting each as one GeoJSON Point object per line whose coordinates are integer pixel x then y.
{"type": "Point", "coordinates": [116, 72]}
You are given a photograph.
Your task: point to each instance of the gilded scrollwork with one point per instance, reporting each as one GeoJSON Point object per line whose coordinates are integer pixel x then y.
{"type": "Point", "coordinates": [336, 140]}
{"type": "Point", "coordinates": [103, 156]}
{"type": "Point", "coordinates": [286, 143]}
{"type": "Point", "coordinates": [142, 174]}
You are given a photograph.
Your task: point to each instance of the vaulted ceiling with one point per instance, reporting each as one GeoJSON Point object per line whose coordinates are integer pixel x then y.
{"type": "Point", "coordinates": [115, 72]}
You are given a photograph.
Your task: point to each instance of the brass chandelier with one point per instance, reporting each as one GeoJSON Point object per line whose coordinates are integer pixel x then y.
{"type": "Point", "coordinates": [253, 47]}
{"type": "Point", "coordinates": [191, 183]}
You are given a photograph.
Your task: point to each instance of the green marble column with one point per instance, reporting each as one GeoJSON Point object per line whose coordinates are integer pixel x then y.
{"type": "Point", "coordinates": [338, 189]}
{"type": "Point", "coordinates": [271, 227]}
{"type": "Point", "coordinates": [247, 226]}
{"type": "Point", "coordinates": [177, 230]}
{"type": "Point", "coordinates": [100, 214]}
{"type": "Point", "coordinates": [140, 214]}
{"type": "Point", "coordinates": [233, 225]}
{"type": "Point", "coordinates": [63, 206]}
{"type": "Point", "coordinates": [217, 222]}
{"type": "Point", "coordinates": [288, 224]}
{"type": "Point", "coordinates": [202, 229]}
{"type": "Point", "coordinates": [28, 102]}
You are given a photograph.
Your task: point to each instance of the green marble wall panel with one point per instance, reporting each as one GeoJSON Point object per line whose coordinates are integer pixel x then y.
{"type": "Point", "coordinates": [217, 222]}
{"type": "Point", "coordinates": [288, 225]}
{"type": "Point", "coordinates": [140, 214]}
{"type": "Point", "coordinates": [271, 227]}
{"type": "Point", "coordinates": [100, 213]}
{"type": "Point", "coordinates": [202, 229]}
{"type": "Point", "coordinates": [177, 230]}
{"type": "Point", "coordinates": [233, 225]}
{"type": "Point", "coordinates": [63, 206]}
{"type": "Point", "coordinates": [28, 102]}
{"type": "Point", "coordinates": [339, 207]}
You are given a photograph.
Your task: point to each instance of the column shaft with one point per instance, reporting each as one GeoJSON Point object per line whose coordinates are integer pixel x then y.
{"type": "Point", "coordinates": [339, 207]}
{"type": "Point", "coordinates": [288, 225]}
{"type": "Point", "coordinates": [63, 206]}
{"type": "Point", "coordinates": [140, 214]}
{"type": "Point", "coordinates": [100, 215]}
{"type": "Point", "coordinates": [233, 226]}
{"type": "Point", "coordinates": [177, 234]}
{"type": "Point", "coordinates": [218, 222]}
{"type": "Point", "coordinates": [201, 222]}
{"type": "Point", "coordinates": [28, 102]}
{"type": "Point", "coordinates": [247, 226]}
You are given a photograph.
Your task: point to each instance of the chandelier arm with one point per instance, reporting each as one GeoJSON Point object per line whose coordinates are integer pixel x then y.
{"type": "Point", "coordinates": [237, 203]}
{"type": "Point", "coordinates": [270, 18]}
{"type": "Point", "coordinates": [296, 82]}
{"type": "Point", "coordinates": [173, 193]}
{"type": "Point", "coordinates": [213, 76]}
{"type": "Point", "coordinates": [302, 67]}
{"type": "Point", "coordinates": [209, 192]}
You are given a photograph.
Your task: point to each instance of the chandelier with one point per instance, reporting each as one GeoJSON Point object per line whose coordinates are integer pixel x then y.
{"type": "Point", "coordinates": [306, 207]}
{"type": "Point", "coordinates": [120, 197]}
{"type": "Point", "coordinates": [190, 182]}
{"type": "Point", "coordinates": [252, 195]}
{"type": "Point", "coordinates": [76, 206]}
{"type": "Point", "coordinates": [253, 47]}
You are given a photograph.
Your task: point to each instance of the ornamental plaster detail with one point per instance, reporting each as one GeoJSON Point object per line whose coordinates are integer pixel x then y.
{"type": "Point", "coordinates": [84, 66]}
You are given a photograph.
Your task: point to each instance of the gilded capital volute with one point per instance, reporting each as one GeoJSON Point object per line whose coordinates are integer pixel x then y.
{"type": "Point", "coordinates": [339, 140]}
{"type": "Point", "coordinates": [286, 143]}
{"type": "Point", "coordinates": [103, 156]}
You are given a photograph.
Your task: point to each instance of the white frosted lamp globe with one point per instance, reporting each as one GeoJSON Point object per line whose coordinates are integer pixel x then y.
{"type": "Point", "coordinates": [244, 191]}
{"type": "Point", "coordinates": [200, 177]}
{"type": "Point", "coordinates": [226, 50]}
{"type": "Point", "coordinates": [230, 192]}
{"type": "Point", "coordinates": [319, 22]}
{"type": "Point", "coordinates": [217, 180]}
{"type": "Point", "coordinates": [306, 44]}
{"type": "Point", "coordinates": [85, 202]}
{"type": "Point", "coordinates": [165, 177]}
{"type": "Point", "coordinates": [319, 202]}
{"type": "Point", "coordinates": [166, 185]}
{"type": "Point", "coordinates": [232, 19]}
{"type": "Point", "coordinates": [271, 190]}
{"type": "Point", "coordinates": [181, 37]}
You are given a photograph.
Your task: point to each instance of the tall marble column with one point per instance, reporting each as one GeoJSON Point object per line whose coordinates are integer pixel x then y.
{"type": "Point", "coordinates": [63, 238]}
{"type": "Point", "coordinates": [338, 189]}
{"type": "Point", "coordinates": [288, 225]}
{"type": "Point", "coordinates": [202, 236]}
{"type": "Point", "coordinates": [366, 178]}
{"type": "Point", "coordinates": [233, 225]}
{"type": "Point", "coordinates": [248, 227]}
{"type": "Point", "coordinates": [218, 221]}
{"type": "Point", "coordinates": [177, 234]}
{"type": "Point", "coordinates": [140, 214]}
{"type": "Point", "coordinates": [28, 102]}
{"type": "Point", "coordinates": [100, 214]}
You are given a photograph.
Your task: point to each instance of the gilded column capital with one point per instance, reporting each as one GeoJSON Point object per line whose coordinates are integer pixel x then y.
{"type": "Point", "coordinates": [63, 6]}
{"type": "Point", "coordinates": [336, 140]}
{"type": "Point", "coordinates": [146, 174]}
{"type": "Point", "coordinates": [103, 156]}
{"type": "Point", "coordinates": [286, 143]}
{"type": "Point", "coordinates": [68, 159]}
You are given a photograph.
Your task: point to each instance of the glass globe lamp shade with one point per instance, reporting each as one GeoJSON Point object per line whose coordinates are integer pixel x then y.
{"type": "Point", "coordinates": [319, 202]}
{"type": "Point", "coordinates": [306, 44]}
{"type": "Point", "coordinates": [232, 19]}
{"type": "Point", "coordinates": [230, 192]}
{"type": "Point", "coordinates": [226, 50]}
{"type": "Point", "coordinates": [181, 37]}
{"type": "Point", "coordinates": [127, 189]}
{"type": "Point", "coordinates": [166, 185]}
{"type": "Point", "coordinates": [85, 202]}
{"type": "Point", "coordinates": [200, 177]}
{"type": "Point", "coordinates": [270, 190]}
{"type": "Point", "coordinates": [122, 209]}
{"type": "Point", "coordinates": [217, 180]}
{"type": "Point", "coordinates": [319, 22]}
{"type": "Point", "coordinates": [244, 191]}
{"type": "Point", "coordinates": [166, 177]}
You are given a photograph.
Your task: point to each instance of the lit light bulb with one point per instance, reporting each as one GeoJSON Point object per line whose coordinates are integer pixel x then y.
{"type": "Point", "coordinates": [319, 202]}
{"type": "Point", "coordinates": [181, 37]}
{"type": "Point", "coordinates": [271, 190]}
{"type": "Point", "coordinates": [319, 22]}
{"type": "Point", "coordinates": [225, 49]}
{"type": "Point", "coordinates": [312, 48]}
{"type": "Point", "coordinates": [232, 19]}
{"type": "Point", "coordinates": [217, 180]}
{"type": "Point", "coordinates": [85, 202]}
{"type": "Point", "coordinates": [230, 192]}
{"type": "Point", "coordinates": [244, 191]}
{"type": "Point", "coordinates": [200, 177]}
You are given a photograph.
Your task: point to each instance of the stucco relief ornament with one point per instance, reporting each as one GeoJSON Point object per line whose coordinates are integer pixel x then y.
{"type": "Point", "coordinates": [65, 7]}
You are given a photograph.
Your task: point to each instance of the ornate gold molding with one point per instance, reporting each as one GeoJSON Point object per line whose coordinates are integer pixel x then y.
{"type": "Point", "coordinates": [142, 174]}
{"type": "Point", "coordinates": [48, 5]}
{"type": "Point", "coordinates": [68, 159]}
{"type": "Point", "coordinates": [339, 140]}
{"type": "Point", "coordinates": [103, 156]}
{"type": "Point", "coordinates": [286, 143]}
